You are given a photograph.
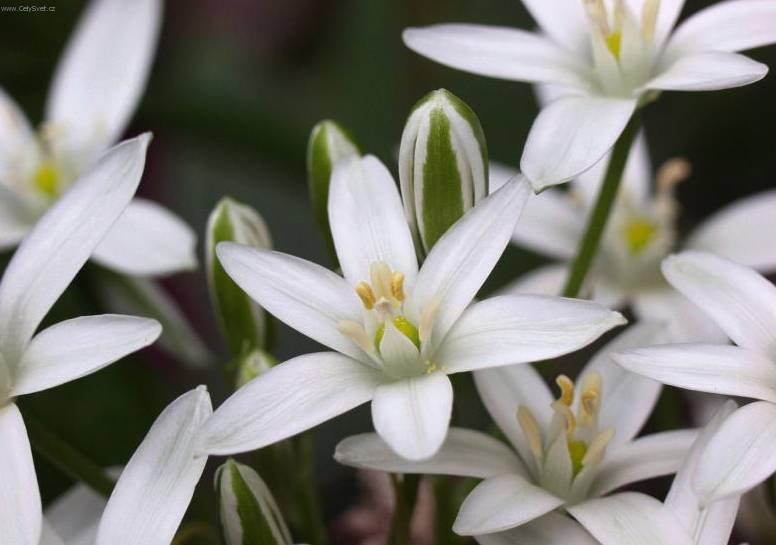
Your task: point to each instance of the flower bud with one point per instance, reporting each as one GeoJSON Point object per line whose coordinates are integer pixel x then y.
{"type": "Point", "coordinates": [443, 166]}
{"type": "Point", "coordinates": [329, 143]}
{"type": "Point", "coordinates": [249, 513]}
{"type": "Point", "coordinates": [252, 365]}
{"type": "Point", "coordinates": [242, 321]}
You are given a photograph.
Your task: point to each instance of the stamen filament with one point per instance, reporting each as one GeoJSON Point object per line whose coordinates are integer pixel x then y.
{"type": "Point", "coordinates": [531, 430]}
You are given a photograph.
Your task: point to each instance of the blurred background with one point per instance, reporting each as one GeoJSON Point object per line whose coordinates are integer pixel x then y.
{"type": "Point", "coordinates": [234, 91]}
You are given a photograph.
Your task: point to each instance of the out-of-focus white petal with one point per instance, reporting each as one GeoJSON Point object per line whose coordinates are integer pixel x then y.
{"type": "Point", "coordinates": [739, 455]}
{"type": "Point", "coordinates": [741, 232]}
{"type": "Point", "coordinates": [501, 503]}
{"type": "Point", "coordinates": [571, 135]}
{"type": "Point", "coordinates": [16, 218]}
{"type": "Point", "coordinates": [550, 529]}
{"type": "Point", "coordinates": [550, 225]}
{"type": "Point", "coordinates": [48, 536]}
{"type": "Point", "coordinates": [367, 221]}
{"type": "Point", "coordinates": [102, 73]}
{"type": "Point", "coordinates": [156, 486]}
{"type": "Point", "coordinates": [628, 399]}
{"type": "Point", "coordinates": [546, 280]}
{"type": "Point", "coordinates": [309, 298]}
{"type": "Point", "coordinates": [20, 510]}
{"type": "Point", "coordinates": [62, 241]}
{"type": "Point", "coordinates": [80, 346]}
{"type": "Point", "coordinates": [565, 21]}
{"type": "Point", "coordinates": [684, 321]}
{"type": "Point", "coordinates": [465, 453]}
{"type": "Point", "coordinates": [497, 52]}
{"type": "Point", "coordinates": [289, 398]}
{"type": "Point", "coordinates": [504, 390]}
{"type": "Point", "coordinates": [719, 369]}
{"type": "Point", "coordinates": [734, 25]}
{"type": "Point", "coordinates": [708, 71]}
{"type": "Point", "coordinates": [75, 515]}
{"type": "Point", "coordinates": [413, 415]}
{"type": "Point", "coordinates": [18, 147]}
{"type": "Point", "coordinates": [463, 258]}
{"type": "Point", "coordinates": [736, 297]}
{"type": "Point", "coordinates": [510, 329]}
{"type": "Point", "coordinates": [148, 240]}
{"type": "Point", "coordinates": [630, 519]}
{"type": "Point", "coordinates": [667, 15]}
{"type": "Point", "coordinates": [644, 458]}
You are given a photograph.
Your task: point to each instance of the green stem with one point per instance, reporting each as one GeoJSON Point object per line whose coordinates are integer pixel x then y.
{"type": "Point", "coordinates": [588, 247]}
{"type": "Point", "coordinates": [66, 458]}
{"type": "Point", "coordinates": [405, 488]}
{"type": "Point", "coordinates": [307, 494]}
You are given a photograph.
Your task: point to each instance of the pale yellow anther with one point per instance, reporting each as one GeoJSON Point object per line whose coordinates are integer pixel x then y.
{"type": "Point", "coordinates": [590, 399]}
{"type": "Point", "coordinates": [596, 10]}
{"type": "Point", "coordinates": [366, 294]}
{"type": "Point", "coordinates": [597, 448]}
{"type": "Point", "coordinates": [569, 421]}
{"type": "Point", "coordinates": [531, 431]}
{"type": "Point", "coordinates": [566, 386]}
{"type": "Point", "coordinates": [397, 286]}
{"type": "Point", "coordinates": [673, 172]}
{"type": "Point", "coordinates": [649, 11]}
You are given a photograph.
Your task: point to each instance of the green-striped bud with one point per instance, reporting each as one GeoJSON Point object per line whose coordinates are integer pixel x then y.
{"type": "Point", "coordinates": [242, 321]}
{"type": "Point", "coordinates": [249, 513]}
{"type": "Point", "coordinates": [329, 143]}
{"type": "Point", "coordinates": [443, 166]}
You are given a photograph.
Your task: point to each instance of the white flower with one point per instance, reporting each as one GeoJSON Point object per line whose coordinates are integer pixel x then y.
{"type": "Point", "coordinates": [566, 451]}
{"type": "Point", "coordinates": [94, 92]}
{"type": "Point", "coordinates": [45, 263]}
{"type": "Point", "coordinates": [397, 331]}
{"type": "Point", "coordinates": [641, 232]}
{"type": "Point", "coordinates": [683, 519]}
{"type": "Point", "coordinates": [604, 57]}
{"type": "Point", "coordinates": [152, 494]}
{"type": "Point", "coordinates": [743, 304]}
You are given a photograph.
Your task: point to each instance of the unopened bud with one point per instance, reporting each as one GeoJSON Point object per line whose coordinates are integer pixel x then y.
{"type": "Point", "coordinates": [242, 321]}
{"type": "Point", "coordinates": [249, 513]}
{"type": "Point", "coordinates": [328, 145]}
{"type": "Point", "coordinates": [443, 166]}
{"type": "Point", "coordinates": [252, 365]}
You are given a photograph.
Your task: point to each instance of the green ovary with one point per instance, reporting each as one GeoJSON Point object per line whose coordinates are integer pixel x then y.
{"type": "Point", "coordinates": [46, 179]}
{"type": "Point", "coordinates": [638, 235]}
{"type": "Point", "coordinates": [404, 326]}
{"type": "Point", "coordinates": [577, 451]}
{"type": "Point", "coordinates": [614, 43]}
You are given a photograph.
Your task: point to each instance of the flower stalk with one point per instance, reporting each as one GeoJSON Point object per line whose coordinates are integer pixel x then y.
{"type": "Point", "coordinates": [588, 246]}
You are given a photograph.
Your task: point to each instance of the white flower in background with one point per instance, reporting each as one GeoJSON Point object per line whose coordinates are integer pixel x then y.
{"type": "Point", "coordinates": [152, 493]}
{"type": "Point", "coordinates": [683, 519]}
{"type": "Point", "coordinates": [566, 450]}
{"type": "Point", "coordinates": [606, 57]}
{"type": "Point", "coordinates": [45, 263]}
{"type": "Point", "coordinates": [743, 304]}
{"type": "Point", "coordinates": [641, 232]}
{"type": "Point", "coordinates": [94, 92]}
{"type": "Point", "coordinates": [397, 331]}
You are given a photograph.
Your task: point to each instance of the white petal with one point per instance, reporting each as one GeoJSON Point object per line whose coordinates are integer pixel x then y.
{"type": "Point", "coordinates": [412, 415]}
{"type": "Point", "coordinates": [740, 454]}
{"type": "Point", "coordinates": [18, 147]}
{"type": "Point", "coordinates": [497, 52]}
{"type": "Point", "coordinates": [737, 298]}
{"type": "Point", "coordinates": [367, 220]}
{"type": "Point", "coordinates": [628, 399]}
{"type": "Point", "coordinates": [306, 296]}
{"type": "Point", "coordinates": [565, 21]}
{"type": "Point", "coordinates": [16, 218]}
{"type": "Point", "coordinates": [289, 398]}
{"type": "Point", "coordinates": [630, 519]}
{"type": "Point", "coordinates": [102, 73]}
{"type": "Point", "coordinates": [62, 241]}
{"type": "Point", "coordinates": [504, 389]}
{"type": "Point", "coordinates": [719, 369]}
{"type": "Point", "coordinates": [148, 240]}
{"type": "Point", "coordinates": [75, 515]}
{"type": "Point", "coordinates": [550, 529]}
{"type": "Point", "coordinates": [684, 321]}
{"type": "Point", "coordinates": [550, 225]}
{"type": "Point", "coordinates": [20, 510]}
{"type": "Point", "coordinates": [741, 232]}
{"type": "Point", "coordinates": [708, 71]}
{"type": "Point", "coordinates": [501, 503]}
{"type": "Point", "coordinates": [512, 329]}
{"type": "Point", "coordinates": [726, 26]}
{"type": "Point", "coordinates": [667, 15]}
{"type": "Point", "coordinates": [711, 524]}
{"type": "Point", "coordinates": [80, 346]}
{"type": "Point", "coordinates": [463, 258]}
{"type": "Point", "coordinates": [571, 135]}
{"type": "Point", "coordinates": [465, 453]}
{"type": "Point", "coordinates": [156, 486]}
{"type": "Point", "coordinates": [48, 536]}
{"type": "Point", "coordinates": [547, 280]}
{"type": "Point", "coordinates": [647, 457]}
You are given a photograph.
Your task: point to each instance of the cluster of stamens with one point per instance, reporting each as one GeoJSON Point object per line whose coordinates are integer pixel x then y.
{"type": "Point", "coordinates": [611, 27]}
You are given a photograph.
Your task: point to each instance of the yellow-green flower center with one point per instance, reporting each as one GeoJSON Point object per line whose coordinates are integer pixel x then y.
{"type": "Point", "coordinates": [577, 451]}
{"type": "Point", "coordinates": [404, 326]}
{"type": "Point", "coordinates": [614, 42]}
{"type": "Point", "coordinates": [46, 179]}
{"type": "Point", "coordinates": [638, 234]}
